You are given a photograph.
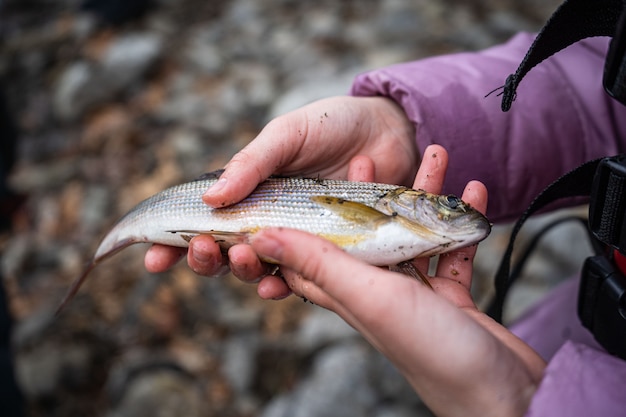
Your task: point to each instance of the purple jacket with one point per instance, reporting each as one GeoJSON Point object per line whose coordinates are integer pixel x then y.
{"type": "Point", "coordinates": [560, 119]}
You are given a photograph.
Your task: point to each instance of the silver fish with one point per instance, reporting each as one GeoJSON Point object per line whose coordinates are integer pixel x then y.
{"type": "Point", "coordinates": [380, 224]}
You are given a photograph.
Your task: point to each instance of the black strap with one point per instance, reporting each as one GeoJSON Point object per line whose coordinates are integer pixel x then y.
{"type": "Point", "coordinates": [576, 183]}
{"type": "Point", "coordinates": [572, 21]}
{"type": "Point", "coordinates": [607, 214]}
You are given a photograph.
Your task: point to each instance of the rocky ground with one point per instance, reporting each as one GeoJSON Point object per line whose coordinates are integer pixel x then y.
{"type": "Point", "coordinates": [110, 114]}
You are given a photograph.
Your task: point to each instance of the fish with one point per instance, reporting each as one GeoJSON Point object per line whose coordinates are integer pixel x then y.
{"type": "Point", "coordinates": [381, 224]}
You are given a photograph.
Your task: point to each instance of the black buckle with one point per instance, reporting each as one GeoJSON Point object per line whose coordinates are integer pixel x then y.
{"type": "Point", "coordinates": [602, 293]}
{"type": "Point", "coordinates": [602, 304]}
{"type": "Point", "coordinates": [614, 79]}
{"type": "Point", "coordinates": [607, 209]}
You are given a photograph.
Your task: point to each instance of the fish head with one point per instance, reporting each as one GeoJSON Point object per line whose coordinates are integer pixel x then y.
{"type": "Point", "coordinates": [443, 218]}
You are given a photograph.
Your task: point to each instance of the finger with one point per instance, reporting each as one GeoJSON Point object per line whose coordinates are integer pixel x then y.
{"type": "Point", "coordinates": [476, 195]}
{"type": "Point", "coordinates": [245, 264]}
{"type": "Point", "coordinates": [160, 258]}
{"type": "Point", "coordinates": [205, 257]}
{"type": "Point", "coordinates": [432, 170]}
{"type": "Point", "coordinates": [458, 265]}
{"type": "Point", "coordinates": [273, 287]}
{"type": "Point", "coordinates": [430, 177]}
{"type": "Point", "coordinates": [361, 168]}
{"type": "Point", "coordinates": [265, 155]}
{"type": "Point", "coordinates": [247, 168]}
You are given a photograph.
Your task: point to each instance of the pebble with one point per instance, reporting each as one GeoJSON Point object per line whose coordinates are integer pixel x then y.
{"type": "Point", "coordinates": [320, 328]}
{"type": "Point", "coordinates": [337, 385]}
{"type": "Point", "coordinates": [160, 393]}
{"type": "Point", "coordinates": [238, 360]}
{"type": "Point", "coordinates": [47, 366]}
{"type": "Point", "coordinates": [310, 91]}
{"type": "Point", "coordinates": [69, 100]}
{"type": "Point", "coordinates": [84, 84]}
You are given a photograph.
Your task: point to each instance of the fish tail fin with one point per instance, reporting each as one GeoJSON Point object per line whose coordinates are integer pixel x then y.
{"type": "Point", "coordinates": [78, 282]}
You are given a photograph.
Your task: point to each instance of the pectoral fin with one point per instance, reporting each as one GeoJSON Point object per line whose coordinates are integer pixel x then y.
{"type": "Point", "coordinates": [409, 269]}
{"type": "Point", "coordinates": [224, 239]}
{"type": "Point", "coordinates": [352, 211]}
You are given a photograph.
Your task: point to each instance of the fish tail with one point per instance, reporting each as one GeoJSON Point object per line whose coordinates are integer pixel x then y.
{"type": "Point", "coordinates": [78, 282]}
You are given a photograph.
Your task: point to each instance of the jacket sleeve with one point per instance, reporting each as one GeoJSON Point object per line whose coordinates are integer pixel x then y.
{"type": "Point", "coordinates": [580, 381]}
{"type": "Point", "coordinates": [561, 118]}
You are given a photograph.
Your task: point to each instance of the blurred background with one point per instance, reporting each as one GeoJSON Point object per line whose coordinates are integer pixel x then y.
{"type": "Point", "coordinates": [104, 103]}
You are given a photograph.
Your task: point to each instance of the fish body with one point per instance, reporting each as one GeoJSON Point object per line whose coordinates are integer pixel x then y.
{"type": "Point", "coordinates": [380, 224]}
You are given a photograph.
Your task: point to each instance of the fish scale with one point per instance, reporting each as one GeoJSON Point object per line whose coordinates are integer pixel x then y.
{"type": "Point", "coordinates": [278, 202]}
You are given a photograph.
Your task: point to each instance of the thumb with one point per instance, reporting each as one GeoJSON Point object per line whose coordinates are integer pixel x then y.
{"type": "Point", "coordinates": [270, 151]}
{"type": "Point", "coordinates": [241, 175]}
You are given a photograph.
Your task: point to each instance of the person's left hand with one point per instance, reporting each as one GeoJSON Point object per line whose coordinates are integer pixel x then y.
{"type": "Point", "coordinates": [458, 360]}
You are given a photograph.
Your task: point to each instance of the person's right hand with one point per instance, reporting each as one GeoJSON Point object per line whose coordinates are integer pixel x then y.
{"type": "Point", "coordinates": [350, 138]}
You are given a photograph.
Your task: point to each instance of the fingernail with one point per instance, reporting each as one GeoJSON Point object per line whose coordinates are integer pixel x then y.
{"type": "Point", "coordinates": [209, 194]}
{"type": "Point", "coordinates": [201, 256]}
{"type": "Point", "coordinates": [216, 188]}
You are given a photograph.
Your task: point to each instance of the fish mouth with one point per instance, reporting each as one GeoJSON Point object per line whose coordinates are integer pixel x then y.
{"type": "Point", "coordinates": [471, 227]}
{"type": "Point", "coordinates": [482, 223]}
{"type": "Point", "coordinates": [480, 229]}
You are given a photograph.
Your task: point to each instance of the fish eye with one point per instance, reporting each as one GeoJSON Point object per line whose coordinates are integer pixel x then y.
{"type": "Point", "coordinates": [450, 201]}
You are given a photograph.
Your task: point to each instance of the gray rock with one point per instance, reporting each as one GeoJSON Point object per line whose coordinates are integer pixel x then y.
{"type": "Point", "coordinates": [389, 382]}
{"type": "Point", "coordinates": [95, 206]}
{"type": "Point", "coordinates": [195, 110]}
{"type": "Point", "coordinates": [310, 91]}
{"type": "Point", "coordinates": [399, 21]}
{"type": "Point", "coordinates": [203, 55]}
{"type": "Point", "coordinates": [14, 256]}
{"type": "Point", "coordinates": [338, 386]}
{"type": "Point", "coordinates": [160, 393]}
{"type": "Point", "coordinates": [323, 24]}
{"type": "Point", "coordinates": [238, 360]}
{"type": "Point", "coordinates": [70, 98]}
{"type": "Point", "coordinates": [322, 327]}
{"type": "Point", "coordinates": [84, 84]}
{"type": "Point", "coordinates": [255, 83]}
{"type": "Point", "coordinates": [40, 371]}
{"type": "Point", "coordinates": [130, 56]}
{"type": "Point", "coordinates": [212, 110]}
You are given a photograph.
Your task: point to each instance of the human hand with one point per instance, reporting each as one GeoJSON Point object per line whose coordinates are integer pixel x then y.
{"type": "Point", "coordinates": [457, 359]}
{"type": "Point", "coordinates": [342, 137]}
